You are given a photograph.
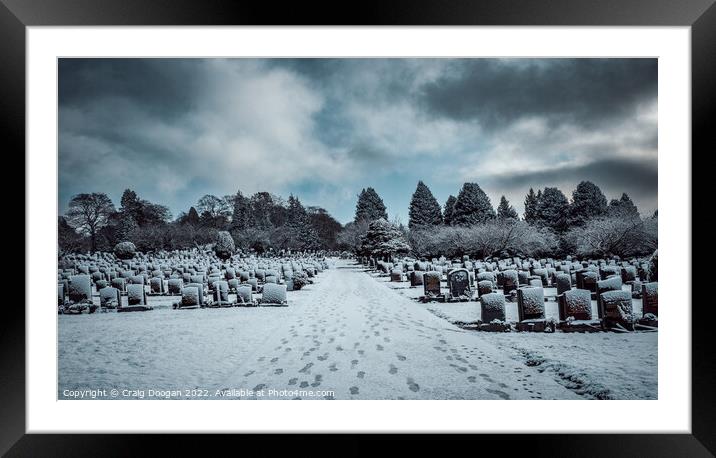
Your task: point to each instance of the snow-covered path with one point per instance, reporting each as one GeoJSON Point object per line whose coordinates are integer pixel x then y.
{"type": "Point", "coordinates": [361, 340]}
{"type": "Point", "coordinates": [346, 334]}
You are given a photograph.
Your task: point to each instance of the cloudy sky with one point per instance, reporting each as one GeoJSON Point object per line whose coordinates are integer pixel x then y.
{"type": "Point", "coordinates": [323, 129]}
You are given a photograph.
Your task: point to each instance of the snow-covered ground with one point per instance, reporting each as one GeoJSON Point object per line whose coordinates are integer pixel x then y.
{"type": "Point", "coordinates": [595, 365]}
{"type": "Point", "coordinates": [348, 336]}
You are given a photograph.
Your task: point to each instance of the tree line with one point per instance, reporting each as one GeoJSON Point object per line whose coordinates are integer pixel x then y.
{"type": "Point", "coordinates": [585, 225]}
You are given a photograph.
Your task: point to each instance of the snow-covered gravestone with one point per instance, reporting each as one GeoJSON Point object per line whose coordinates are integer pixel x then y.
{"type": "Point", "coordinates": [650, 298]}
{"type": "Point", "coordinates": [492, 307]}
{"type": "Point", "coordinates": [523, 277]}
{"type": "Point", "coordinates": [431, 284]}
{"type": "Point", "coordinates": [618, 308]}
{"type": "Point", "coordinates": [120, 283]}
{"type": "Point", "coordinates": [243, 295]}
{"type": "Point", "coordinates": [587, 279]}
{"type": "Point", "coordinates": [254, 283]}
{"type": "Point", "coordinates": [485, 287]}
{"type": "Point", "coordinates": [191, 297]}
{"type": "Point", "coordinates": [459, 284]}
{"type": "Point", "coordinates": [510, 281]}
{"type": "Point", "coordinates": [575, 303]}
{"type": "Point", "coordinates": [531, 311]}
{"type": "Point", "coordinates": [260, 275]}
{"type": "Point", "coordinates": [80, 289]}
{"type": "Point", "coordinates": [610, 284]}
{"type": "Point", "coordinates": [629, 274]}
{"type": "Point", "coordinates": [396, 275]}
{"type": "Point", "coordinates": [221, 293]}
{"type": "Point", "coordinates": [543, 274]}
{"type": "Point", "coordinates": [607, 271]}
{"type": "Point", "coordinates": [136, 295]}
{"type": "Point", "coordinates": [110, 298]}
{"type": "Point", "coordinates": [174, 286]}
{"type": "Point", "coordinates": [273, 295]}
{"type": "Point", "coordinates": [564, 283]}
{"type": "Point", "coordinates": [485, 276]}
{"type": "Point", "coordinates": [244, 275]}
{"type": "Point", "coordinates": [233, 284]}
{"type": "Point", "coordinates": [416, 278]}
{"type": "Point", "coordinates": [157, 285]}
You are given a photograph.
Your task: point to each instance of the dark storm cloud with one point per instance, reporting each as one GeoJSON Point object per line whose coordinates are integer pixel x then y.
{"type": "Point", "coordinates": [586, 92]}
{"type": "Point", "coordinates": [618, 173]}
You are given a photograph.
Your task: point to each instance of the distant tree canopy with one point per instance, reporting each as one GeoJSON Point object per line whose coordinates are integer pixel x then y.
{"type": "Point", "coordinates": [552, 210]}
{"type": "Point", "coordinates": [623, 207]}
{"type": "Point", "coordinates": [384, 239]}
{"type": "Point", "coordinates": [88, 213]}
{"type": "Point", "coordinates": [505, 210]}
{"type": "Point", "coordinates": [588, 202]}
{"type": "Point", "coordinates": [370, 206]}
{"type": "Point", "coordinates": [472, 206]}
{"type": "Point", "coordinates": [448, 210]}
{"type": "Point", "coordinates": [424, 208]}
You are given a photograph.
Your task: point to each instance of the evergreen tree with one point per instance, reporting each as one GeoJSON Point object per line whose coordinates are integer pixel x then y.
{"type": "Point", "coordinates": [531, 207]}
{"type": "Point", "coordinates": [370, 206]}
{"type": "Point", "coordinates": [448, 211]}
{"type": "Point", "coordinates": [261, 208]}
{"type": "Point", "coordinates": [552, 209]}
{"type": "Point", "coordinates": [623, 207]}
{"type": "Point", "coordinates": [588, 202]}
{"type": "Point", "coordinates": [472, 206]}
{"type": "Point", "coordinates": [384, 239]}
{"type": "Point", "coordinates": [301, 233]}
{"type": "Point", "coordinates": [241, 212]}
{"type": "Point", "coordinates": [192, 217]}
{"type": "Point", "coordinates": [505, 210]}
{"type": "Point", "coordinates": [424, 208]}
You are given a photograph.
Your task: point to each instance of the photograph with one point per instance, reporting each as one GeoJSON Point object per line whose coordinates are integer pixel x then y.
{"type": "Point", "coordinates": [357, 228]}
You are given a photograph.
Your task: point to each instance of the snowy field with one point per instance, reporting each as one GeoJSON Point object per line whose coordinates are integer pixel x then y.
{"type": "Point", "coordinates": [351, 335]}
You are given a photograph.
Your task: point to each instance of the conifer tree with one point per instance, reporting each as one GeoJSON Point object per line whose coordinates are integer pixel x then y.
{"type": "Point", "coordinates": [505, 210]}
{"type": "Point", "coordinates": [448, 210]}
{"type": "Point", "coordinates": [472, 206]}
{"type": "Point", "coordinates": [424, 208]}
{"type": "Point", "coordinates": [370, 206]}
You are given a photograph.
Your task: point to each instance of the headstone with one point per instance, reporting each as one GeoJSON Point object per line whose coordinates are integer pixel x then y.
{"type": "Point", "coordinates": [273, 294]}
{"type": "Point", "coordinates": [459, 284]}
{"type": "Point", "coordinates": [650, 298]}
{"type": "Point", "coordinates": [120, 283]}
{"type": "Point", "coordinates": [576, 303]}
{"type": "Point", "coordinates": [396, 275]}
{"type": "Point", "coordinates": [136, 295]}
{"type": "Point", "coordinates": [564, 283]}
{"type": "Point", "coordinates": [492, 307]}
{"type": "Point", "coordinates": [485, 287]}
{"type": "Point", "coordinates": [200, 289]}
{"type": "Point", "coordinates": [175, 286]}
{"type": "Point", "coordinates": [221, 292]}
{"type": "Point", "coordinates": [431, 283]}
{"type": "Point", "coordinates": [80, 288]}
{"type": "Point", "coordinates": [243, 295]}
{"type": "Point", "coordinates": [416, 278]}
{"type": "Point", "coordinates": [617, 306]}
{"type": "Point", "coordinates": [157, 285]}
{"type": "Point", "coordinates": [530, 303]}
{"type": "Point", "coordinates": [510, 281]}
{"type": "Point", "coordinates": [190, 297]}
{"type": "Point", "coordinates": [610, 284]}
{"type": "Point", "coordinates": [110, 297]}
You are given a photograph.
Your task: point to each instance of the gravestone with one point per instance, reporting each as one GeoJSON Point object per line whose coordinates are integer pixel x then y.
{"type": "Point", "coordinates": [510, 281]}
{"type": "Point", "coordinates": [136, 295]}
{"type": "Point", "coordinates": [485, 287]}
{"type": "Point", "coordinates": [492, 307]}
{"type": "Point", "coordinates": [110, 298]}
{"type": "Point", "coordinates": [523, 277]}
{"type": "Point", "coordinates": [60, 294]}
{"type": "Point", "coordinates": [629, 274]}
{"type": "Point", "coordinates": [587, 279]}
{"type": "Point", "coordinates": [564, 283]}
{"type": "Point", "coordinates": [396, 275]}
{"type": "Point", "coordinates": [221, 293]}
{"type": "Point", "coordinates": [243, 295]}
{"type": "Point", "coordinates": [543, 275]}
{"type": "Point", "coordinates": [416, 278]}
{"type": "Point", "coordinates": [175, 286]}
{"type": "Point", "coordinates": [575, 303]}
{"type": "Point", "coordinates": [120, 283]}
{"type": "Point", "coordinates": [650, 298]}
{"type": "Point", "coordinates": [190, 297]}
{"type": "Point", "coordinates": [254, 284]}
{"type": "Point", "coordinates": [200, 289]}
{"type": "Point", "coordinates": [530, 303]}
{"type": "Point", "coordinates": [80, 289]}
{"type": "Point", "coordinates": [233, 284]}
{"type": "Point", "coordinates": [459, 284]}
{"type": "Point", "coordinates": [273, 294]}
{"type": "Point", "coordinates": [603, 286]}
{"type": "Point", "coordinates": [431, 284]}
{"type": "Point", "coordinates": [617, 307]}
{"type": "Point", "coordinates": [157, 285]}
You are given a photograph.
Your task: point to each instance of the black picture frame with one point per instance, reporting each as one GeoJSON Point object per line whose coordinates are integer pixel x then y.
{"type": "Point", "coordinates": [16, 15]}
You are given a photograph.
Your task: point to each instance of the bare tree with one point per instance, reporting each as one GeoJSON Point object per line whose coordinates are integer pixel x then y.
{"type": "Point", "coordinates": [88, 213]}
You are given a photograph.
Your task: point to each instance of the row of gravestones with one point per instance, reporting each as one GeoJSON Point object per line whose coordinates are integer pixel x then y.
{"type": "Point", "coordinates": [75, 290]}
{"type": "Point", "coordinates": [600, 280]}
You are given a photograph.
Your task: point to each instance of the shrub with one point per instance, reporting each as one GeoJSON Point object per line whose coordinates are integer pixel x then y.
{"type": "Point", "coordinates": [300, 279]}
{"type": "Point", "coordinates": [125, 250]}
{"type": "Point", "coordinates": [224, 246]}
